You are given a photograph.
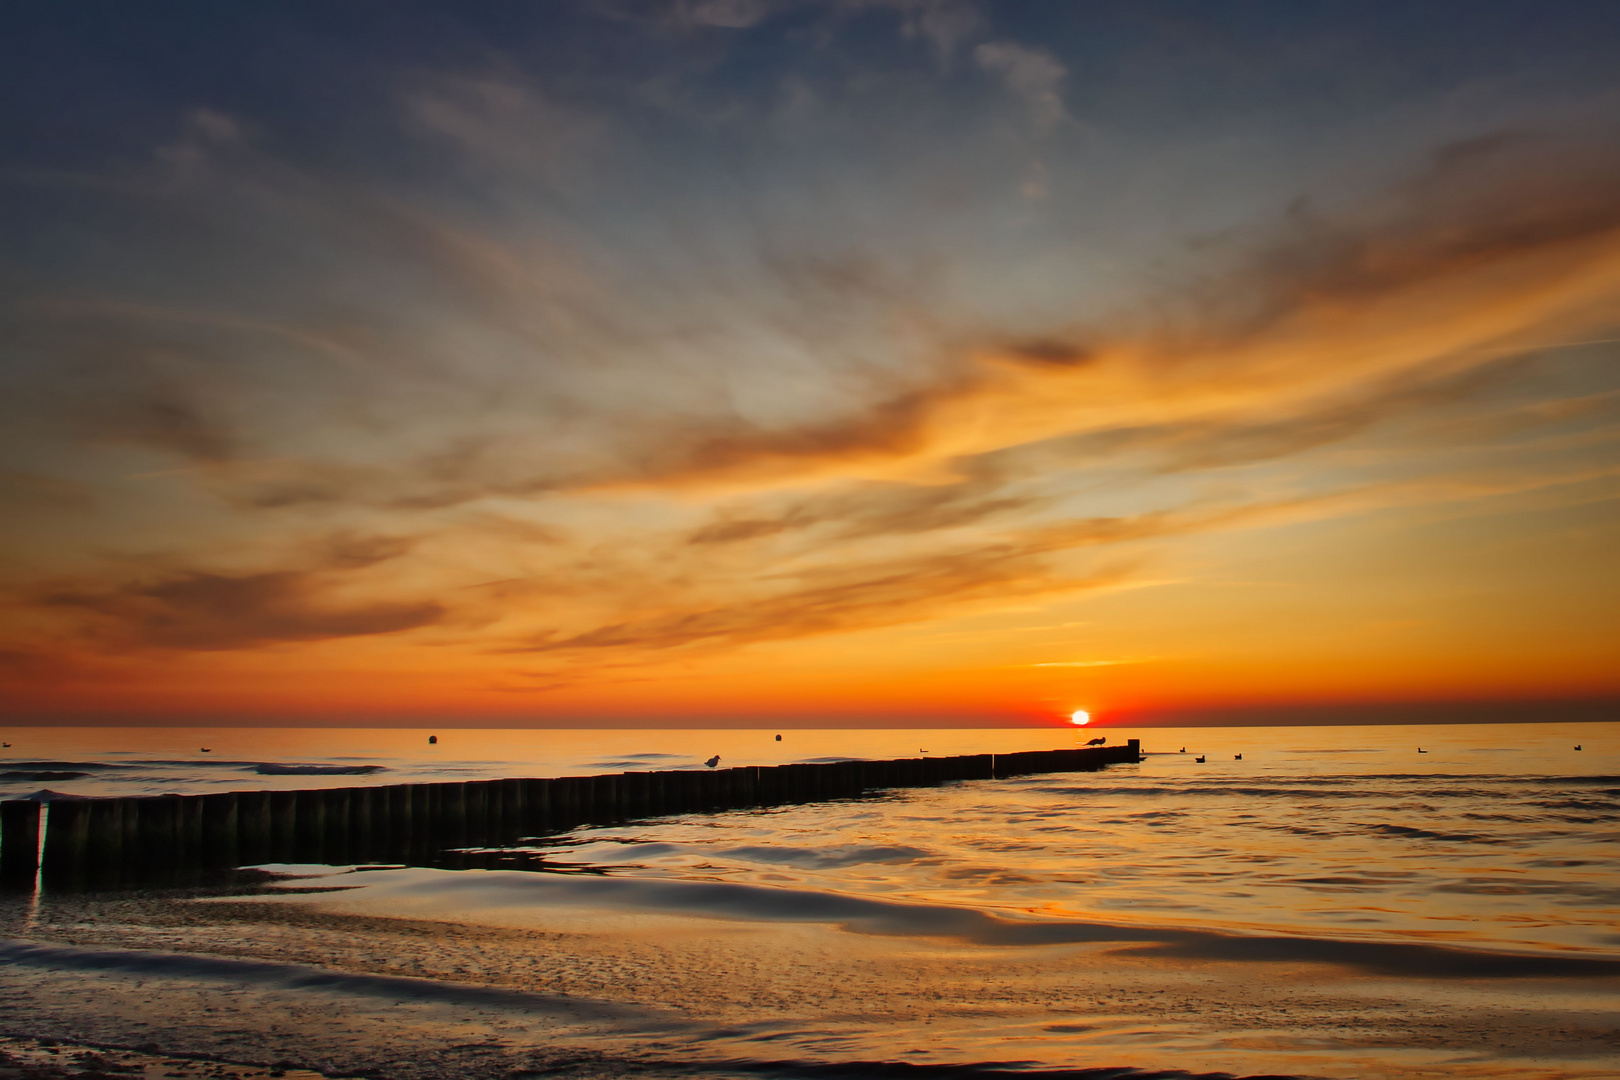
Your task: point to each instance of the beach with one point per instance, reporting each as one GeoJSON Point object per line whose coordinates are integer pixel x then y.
{"type": "Point", "coordinates": [1331, 905]}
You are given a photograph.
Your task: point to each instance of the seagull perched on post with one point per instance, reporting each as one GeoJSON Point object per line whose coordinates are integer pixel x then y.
{"type": "Point", "coordinates": [712, 762]}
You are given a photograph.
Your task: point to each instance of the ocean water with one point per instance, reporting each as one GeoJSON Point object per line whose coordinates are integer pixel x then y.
{"type": "Point", "coordinates": [1333, 904]}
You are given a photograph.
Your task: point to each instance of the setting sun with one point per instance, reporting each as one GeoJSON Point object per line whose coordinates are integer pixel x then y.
{"type": "Point", "coordinates": [1080, 716]}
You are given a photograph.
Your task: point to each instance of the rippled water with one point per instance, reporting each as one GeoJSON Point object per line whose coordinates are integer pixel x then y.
{"type": "Point", "coordinates": [1332, 904]}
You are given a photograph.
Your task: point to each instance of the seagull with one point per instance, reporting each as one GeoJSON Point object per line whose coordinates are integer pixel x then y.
{"type": "Point", "coordinates": [1199, 759]}
{"type": "Point", "coordinates": [712, 762]}
{"type": "Point", "coordinates": [1237, 757]}
{"type": "Point", "coordinates": [1097, 741]}
{"type": "Point", "coordinates": [1577, 745]}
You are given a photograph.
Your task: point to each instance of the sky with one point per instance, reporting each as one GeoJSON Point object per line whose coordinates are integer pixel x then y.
{"type": "Point", "coordinates": [864, 362]}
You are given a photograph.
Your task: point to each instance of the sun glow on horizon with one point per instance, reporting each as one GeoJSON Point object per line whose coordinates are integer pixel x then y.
{"type": "Point", "coordinates": [1080, 717]}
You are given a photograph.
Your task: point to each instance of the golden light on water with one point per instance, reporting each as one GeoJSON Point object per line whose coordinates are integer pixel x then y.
{"type": "Point", "coordinates": [1080, 717]}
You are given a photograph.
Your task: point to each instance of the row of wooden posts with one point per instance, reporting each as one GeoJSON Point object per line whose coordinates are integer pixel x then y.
{"type": "Point", "coordinates": [174, 839]}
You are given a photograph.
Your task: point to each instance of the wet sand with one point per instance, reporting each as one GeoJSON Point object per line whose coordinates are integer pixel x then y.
{"type": "Point", "coordinates": [51, 1059]}
{"type": "Point", "coordinates": [617, 994]}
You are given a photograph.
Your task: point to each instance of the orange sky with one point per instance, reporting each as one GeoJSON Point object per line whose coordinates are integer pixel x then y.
{"type": "Point", "coordinates": [950, 379]}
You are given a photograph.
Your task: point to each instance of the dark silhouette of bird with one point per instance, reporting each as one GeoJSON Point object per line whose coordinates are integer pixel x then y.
{"type": "Point", "coordinates": [204, 750]}
{"type": "Point", "coordinates": [1199, 759]}
{"type": "Point", "coordinates": [712, 762]}
{"type": "Point", "coordinates": [1422, 751]}
{"type": "Point", "coordinates": [433, 740]}
{"type": "Point", "coordinates": [1183, 749]}
{"type": "Point", "coordinates": [8, 744]}
{"type": "Point", "coordinates": [1577, 745]}
{"type": "Point", "coordinates": [1098, 741]}
{"type": "Point", "coordinates": [1237, 757]}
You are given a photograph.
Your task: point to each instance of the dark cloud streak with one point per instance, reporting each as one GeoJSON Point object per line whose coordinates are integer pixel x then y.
{"type": "Point", "coordinates": [200, 611]}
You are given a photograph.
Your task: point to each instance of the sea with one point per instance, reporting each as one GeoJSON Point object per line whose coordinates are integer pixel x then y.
{"type": "Point", "coordinates": [1347, 902]}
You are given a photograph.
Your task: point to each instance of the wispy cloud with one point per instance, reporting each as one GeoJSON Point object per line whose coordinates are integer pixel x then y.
{"type": "Point", "coordinates": [1032, 74]}
{"type": "Point", "coordinates": [202, 611]}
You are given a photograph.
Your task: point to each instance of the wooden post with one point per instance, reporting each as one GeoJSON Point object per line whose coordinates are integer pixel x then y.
{"type": "Point", "coordinates": [398, 820]}
{"type": "Point", "coordinates": [19, 844]}
{"type": "Point", "coordinates": [159, 845]}
{"type": "Point", "coordinates": [363, 821]}
{"type": "Point", "coordinates": [220, 846]}
{"type": "Point", "coordinates": [424, 826]}
{"type": "Point", "coordinates": [309, 843]}
{"type": "Point", "coordinates": [536, 805]}
{"type": "Point", "coordinates": [515, 806]}
{"type": "Point", "coordinates": [475, 807]}
{"type": "Point", "coordinates": [67, 832]}
{"type": "Point", "coordinates": [253, 830]}
{"type": "Point", "coordinates": [284, 826]}
{"type": "Point", "coordinates": [104, 842]}
{"type": "Point", "coordinates": [338, 841]}
{"type": "Point", "coordinates": [453, 814]}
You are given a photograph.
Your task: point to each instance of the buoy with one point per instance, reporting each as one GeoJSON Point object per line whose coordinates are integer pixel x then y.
{"type": "Point", "coordinates": [779, 738]}
{"type": "Point", "coordinates": [432, 740]}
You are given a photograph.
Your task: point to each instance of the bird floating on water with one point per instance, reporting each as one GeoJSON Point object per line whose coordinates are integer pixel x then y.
{"type": "Point", "coordinates": [1237, 757]}
{"type": "Point", "coordinates": [1577, 745]}
{"type": "Point", "coordinates": [712, 762]}
{"type": "Point", "coordinates": [1422, 751]}
{"type": "Point", "coordinates": [204, 750]}
{"type": "Point", "coordinates": [1199, 759]}
{"type": "Point", "coordinates": [1183, 749]}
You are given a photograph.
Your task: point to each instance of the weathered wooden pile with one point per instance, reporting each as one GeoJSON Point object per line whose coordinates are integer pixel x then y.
{"type": "Point", "coordinates": [173, 839]}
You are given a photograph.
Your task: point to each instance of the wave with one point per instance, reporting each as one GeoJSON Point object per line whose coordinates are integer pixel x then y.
{"type": "Point", "coordinates": [268, 769]}
{"type": "Point", "coordinates": [621, 1019]}
{"type": "Point", "coordinates": [1414, 833]}
{"type": "Point", "coordinates": [286, 976]}
{"type": "Point", "coordinates": [41, 775]}
{"type": "Point", "coordinates": [908, 1070]}
{"type": "Point", "coordinates": [507, 889]}
{"type": "Point", "coordinates": [638, 761]}
{"type": "Point", "coordinates": [825, 858]}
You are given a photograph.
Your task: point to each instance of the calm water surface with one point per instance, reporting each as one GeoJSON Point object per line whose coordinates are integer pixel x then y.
{"type": "Point", "coordinates": [1332, 904]}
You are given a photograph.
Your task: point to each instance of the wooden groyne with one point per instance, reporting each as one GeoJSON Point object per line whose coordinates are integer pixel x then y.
{"type": "Point", "coordinates": [157, 840]}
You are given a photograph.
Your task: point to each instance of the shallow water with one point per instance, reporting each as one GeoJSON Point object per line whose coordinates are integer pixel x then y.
{"type": "Point", "coordinates": [1334, 904]}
